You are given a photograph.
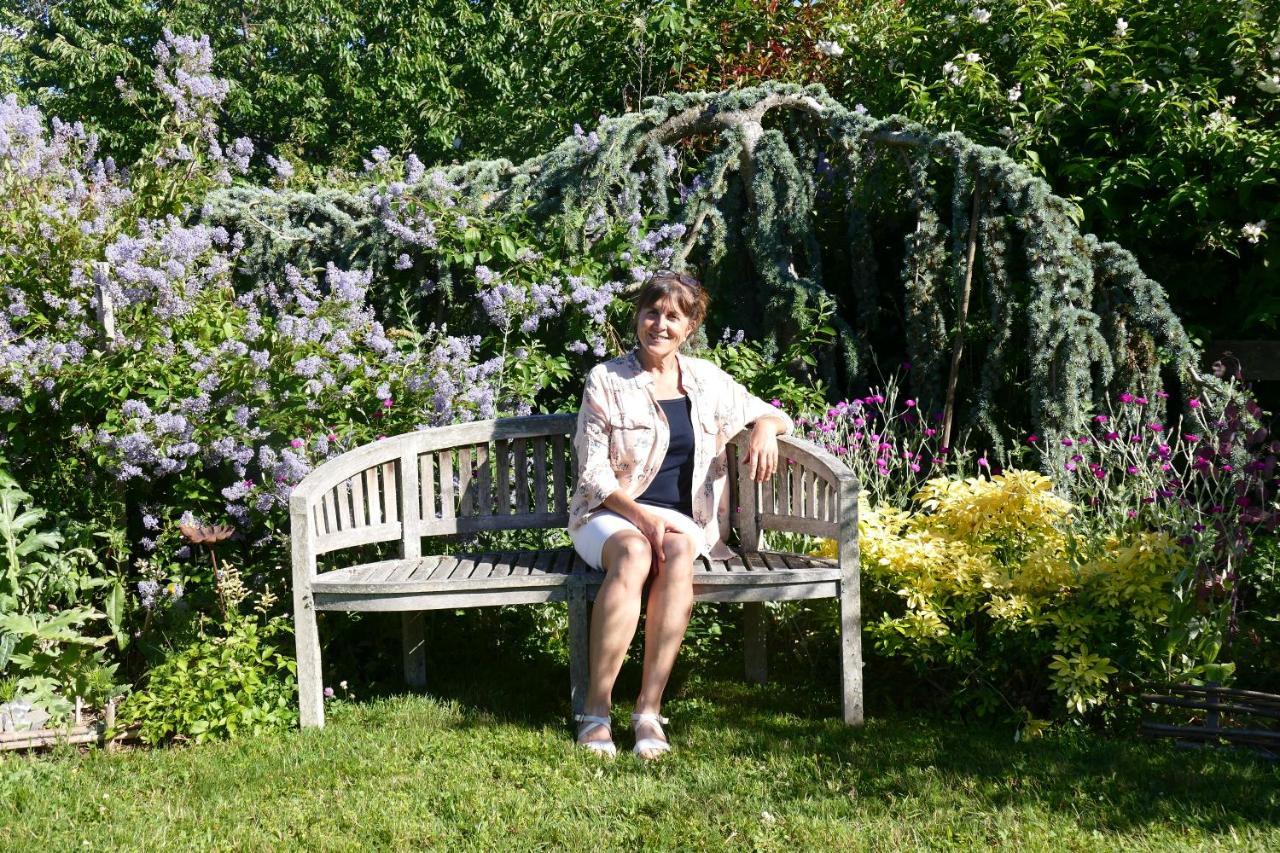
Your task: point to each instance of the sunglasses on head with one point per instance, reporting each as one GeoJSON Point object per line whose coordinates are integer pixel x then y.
{"type": "Point", "coordinates": [686, 280]}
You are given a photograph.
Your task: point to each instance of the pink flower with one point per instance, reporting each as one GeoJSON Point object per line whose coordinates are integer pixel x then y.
{"type": "Point", "coordinates": [1193, 403]}
{"type": "Point", "coordinates": [328, 693]}
{"type": "Point", "coordinates": [1099, 473]}
{"type": "Point", "coordinates": [1102, 419]}
{"type": "Point", "coordinates": [1227, 467]}
{"type": "Point", "coordinates": [1162, 395]}
{"type": "Point", "coordinates": [911, 404]}
{"type": "Point", "coordinates": [333, 436]}
{"type": "Point", "coordinates": [1132, 469]}
{"type": "Point", "coordinates": [982, 461]}
{"type": "Point", "coordinates": [1191, 438]}
{"type": "Point", "coordinates": [1141, 401]}
{"type": "Point", "coordinates": [386, 404]}
{"type": "Point", "coordinates": [381, 437]}
{"type": "Point", "coordinates": [1156, 427]}
{"type": "Point", "coordinates": [1133, 513]}
{"type": "Point", "coordinates": [930, 432]}
{"type": "Point", "coordinates": [776, 403]}
{"type": "Point", "coordinates": [915, 467]}
{"type": "Point", "coordinates": [296, 443]}
{"type": "Point", "coordinates": [1069, 465]}
{"type": "Point", "coordinates": [1112, 436]}
{"type": "Point", "coordinates": [1032, 439]}
{"type": "Point", "coordinates": [1126, 397]}
{"type": "Point", "coordinates": [1067, 442]}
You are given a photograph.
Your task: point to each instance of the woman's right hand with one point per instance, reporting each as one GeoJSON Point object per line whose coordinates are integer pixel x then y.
{"type": "Point", "coordinates": [654, 528]}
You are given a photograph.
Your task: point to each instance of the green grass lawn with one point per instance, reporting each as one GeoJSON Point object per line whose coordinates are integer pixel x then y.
{"type": "Point", "coordinates": [487, 763]}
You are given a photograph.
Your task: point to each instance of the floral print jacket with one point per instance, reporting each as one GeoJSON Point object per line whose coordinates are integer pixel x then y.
{"type": "Point", "coordinates": [622, 438]}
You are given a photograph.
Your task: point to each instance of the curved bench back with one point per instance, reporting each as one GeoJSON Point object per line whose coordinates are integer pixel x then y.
{"type": "Point", "coordinates": [487, 475]}
{"type": "Point", "coordinates": [518, 473]}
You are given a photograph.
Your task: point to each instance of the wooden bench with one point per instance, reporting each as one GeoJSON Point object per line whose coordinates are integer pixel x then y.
{"type": "Point", "coordinates": [514, 473]}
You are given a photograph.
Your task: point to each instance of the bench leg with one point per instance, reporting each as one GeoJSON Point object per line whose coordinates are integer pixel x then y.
{"type": "Point", "coordinates": [306, 635]}
{"type": "Point", "coordinates": [851, 654]}
{"type": "Point", "coordinates": [579, 648]}
{"type": "Point", "coordinates": [755, 641]}
{"type": "Point", "coordinates": [413, 633]}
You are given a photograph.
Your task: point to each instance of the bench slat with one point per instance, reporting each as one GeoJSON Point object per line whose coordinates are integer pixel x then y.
{"type": "Point", "coordinates": [539, 475]}
{"type": "Point", "coordinates": [466, 507]}
{"type": "Point", "coordinates": [373, 496]}
{"type": "Point", "coordinates": [427, 483]}
{"type": "Point", "coordinates": [390, 493]}
{"type": "Point", "coordinates": [522, 477]}
{"type": "Point", "coordinates": [357, 501]}
{"type": "Point", "coordinates": [484, 490]}
{"type": "Point", "coordinates": [448, 507]}
{"type": "Point", "coordinates": [503, 500]}
{"type": "Point", "coordinates": [557, 471]}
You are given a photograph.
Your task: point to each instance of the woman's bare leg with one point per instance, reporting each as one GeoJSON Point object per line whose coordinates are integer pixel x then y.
{"type": "Point", "coordinates": [626, 558]}
{"type": "Point", "coordinates": [669, 608]}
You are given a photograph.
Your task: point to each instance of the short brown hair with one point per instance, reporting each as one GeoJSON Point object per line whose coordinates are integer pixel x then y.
{"type": "Point", "coordinates": [684, 291]}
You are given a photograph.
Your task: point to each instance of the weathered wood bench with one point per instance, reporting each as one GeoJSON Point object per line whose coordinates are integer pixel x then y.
{"type": "Point", "coordinates": [515, 474]}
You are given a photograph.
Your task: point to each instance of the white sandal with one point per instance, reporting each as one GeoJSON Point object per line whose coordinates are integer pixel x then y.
{"type": "Point", "coordinates": [650, 743]}
{"type": "Point", "coordinates": [589, 722]}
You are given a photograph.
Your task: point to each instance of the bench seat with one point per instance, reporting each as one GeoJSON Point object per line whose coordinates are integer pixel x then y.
{"type": "Point", "coordinates": [526, 577]}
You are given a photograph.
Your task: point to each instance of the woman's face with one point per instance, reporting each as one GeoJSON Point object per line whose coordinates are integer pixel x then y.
{"type": "Point", "coordinates": [661, 328]}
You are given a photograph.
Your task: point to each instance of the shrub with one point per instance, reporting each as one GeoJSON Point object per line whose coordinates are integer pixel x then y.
{"type": "Point", "coordinates": [221, 685]}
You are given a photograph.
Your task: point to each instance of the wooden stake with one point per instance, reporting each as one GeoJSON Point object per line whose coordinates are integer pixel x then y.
{"type": "Point", "coordinates": [962, 316]}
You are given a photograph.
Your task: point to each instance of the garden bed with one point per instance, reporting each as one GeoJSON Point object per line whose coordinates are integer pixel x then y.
{"type": "Point", "coordinates": [87, 726]}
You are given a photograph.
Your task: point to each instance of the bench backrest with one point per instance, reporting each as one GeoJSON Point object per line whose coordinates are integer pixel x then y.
{"type": "Point", "coordinates": [518, 473]}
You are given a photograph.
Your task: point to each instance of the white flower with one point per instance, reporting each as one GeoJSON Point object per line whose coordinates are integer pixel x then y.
{"type": "Point", "coordinates": [1270, 84]}
{"type": "Point", "coordinates": [972, 57]}
{"type": "Point", "coordinates": [767, 817]}
{"type": "Point", "coordinates": [1142, 87]}
{"type": "Point", "coordinates": [1087, 86]}
{"type": "Point", "coordinates": [950, 20]}
{"type": "Point", "coordinates": [1253, 231]}
{"type": "Point", "coordinates": [1191, 53]}
{"type": "Point", "coordinates": [1014, 93]}
{"type": "Point", "coordinates": [1122, 27]}
{"type": "Point", "coordinates": [859, 109]}
{"type": "Point", "coordinates": [830, 48]}
{"type": "Point", "coordinates": [1275, 53]}
{"type": "Point", "coordinates": [981, 16]}
{"type": "Point", "coordinates": [954, 75]}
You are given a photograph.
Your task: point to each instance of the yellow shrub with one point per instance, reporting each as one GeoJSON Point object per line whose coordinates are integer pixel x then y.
{"type": "Point", "coordinates": [994, 561]}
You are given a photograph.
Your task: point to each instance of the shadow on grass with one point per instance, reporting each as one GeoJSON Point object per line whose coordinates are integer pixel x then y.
{"type": "Point", "coordinates": [1109, 783]}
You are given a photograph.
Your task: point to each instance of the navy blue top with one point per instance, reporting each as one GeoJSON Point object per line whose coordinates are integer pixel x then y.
{"type": "Point", "coordinates": [673, 487]}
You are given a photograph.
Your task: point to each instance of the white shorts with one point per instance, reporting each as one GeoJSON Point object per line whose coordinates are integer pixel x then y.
{"type": "Point", "coordinates": [589, 539]}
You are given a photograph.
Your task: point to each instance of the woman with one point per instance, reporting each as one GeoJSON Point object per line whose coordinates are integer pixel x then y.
{"type": "Point", "coordinates": [652, 495]}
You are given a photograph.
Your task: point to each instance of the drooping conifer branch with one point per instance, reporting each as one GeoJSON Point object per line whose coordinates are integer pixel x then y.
{"type": "Point", "coordinates": [1065, 317]}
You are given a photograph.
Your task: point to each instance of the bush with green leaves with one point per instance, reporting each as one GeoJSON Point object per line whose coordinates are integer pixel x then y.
{"type": "Point", "coordinates": [46, 643]}
{"type": "Point", "coordinates": [239, 679]}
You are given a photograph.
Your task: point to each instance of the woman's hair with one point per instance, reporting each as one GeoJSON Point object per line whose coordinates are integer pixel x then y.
{"type": "Point", "coordinates": [684, 291]}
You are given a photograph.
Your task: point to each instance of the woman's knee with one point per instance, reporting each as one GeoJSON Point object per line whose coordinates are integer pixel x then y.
{"type": "Point", "coordinates": [628, 555]}
{"type": "Point", "coordinates": [680, 553]}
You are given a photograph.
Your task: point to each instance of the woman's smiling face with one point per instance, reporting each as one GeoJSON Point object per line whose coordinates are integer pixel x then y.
{"type": "Point", "coordinates": [661, 328]}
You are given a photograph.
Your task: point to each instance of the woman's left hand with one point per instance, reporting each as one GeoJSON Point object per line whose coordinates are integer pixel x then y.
{"type": "Point", "coordinates": [761, 457]}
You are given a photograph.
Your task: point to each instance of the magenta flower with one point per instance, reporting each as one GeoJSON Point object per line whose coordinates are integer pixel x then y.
{"type": "Point", "coordinates": [1191, 438]}
{"type": "Point", "coordinates": [296, 443]}
{"type": "Point", "coordinates": [982, 462]}
{"type": "Point", "coordinates": [1162, 395]}
{"type": "Point", "coordinates": [1227, 467]}
{"type": "Point", "coordinates": [1067, 442]}
{"type": "Point", "coordinates": [1141, 401]}
{"type": "Point", "coordinates": [1113, 436]}
{"type": "Point", "coordinates": [1032, 439]}
{"type": "Point", "coordinates": [1133, 513]}
{"type": "Point", "coordinates": [1193, 403]}
{"type": "Point", "coordinates": [776, 403]}
{"type": "Point", "coordinates": [1126, 397]}
{"type": "Point", "coordinates": [930, 432]}
{"type": "Point", "coordinates": [333, 436]}
{"type": "Point", "coordinates": [1069, 465]}
{"type": "Point", "coordinates": [1156, 427]}
{"type": "Point", "coordinates": [911, 404]}
{"type": "Point", "coordinates": [1102, 419]}
{"type": "Point", "coordinates": [386, 404]}
{"type": "Point", "coordinates": [1132, 469]}
{"type": "Point", "coordinates": [1099, 473]}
